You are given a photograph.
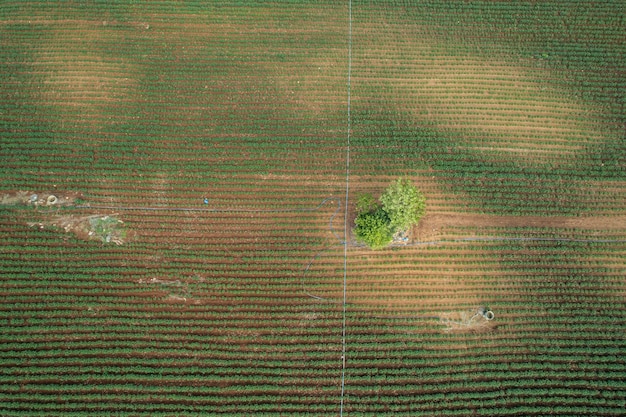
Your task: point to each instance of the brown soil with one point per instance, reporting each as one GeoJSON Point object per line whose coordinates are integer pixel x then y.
{"type": "Point", "coordinates": [440, 284]}
{"type": "Point", "coordinates": [39, 198]}
{"type": "Point", "coordinates": [84, 227]}
{"type": "Point", "coordinates": [466, 322]}
{"type": "Point", "coordinates": [431, 225]}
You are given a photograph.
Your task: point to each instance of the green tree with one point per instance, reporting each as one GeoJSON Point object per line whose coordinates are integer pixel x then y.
{"type": "Point", "coordinates": [366, 203]}
{"type": "Point", "coordinates": [401, 206]}
{"type": "Point", "coordinates": [372, 228]}
{"type": "Point", "coordinates": [403, 203]}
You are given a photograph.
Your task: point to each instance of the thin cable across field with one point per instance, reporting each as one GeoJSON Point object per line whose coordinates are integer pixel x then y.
{"type": "Point", "coordinates": [321, 252]}
{"type": "Point", "coordinates": [345, 230]}
{"type": "Point", "coordinates": [214, 210]}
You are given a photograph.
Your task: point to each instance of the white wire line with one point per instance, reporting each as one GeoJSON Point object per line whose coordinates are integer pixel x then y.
{"type": "Point", "coordinates": [320, 253]}
{"type": "Point", "coordinates": [214, 210]}
{"type": "Point", "coordinates": [345, 230]}
{"type": "Point", "coordinates": [306, 271]}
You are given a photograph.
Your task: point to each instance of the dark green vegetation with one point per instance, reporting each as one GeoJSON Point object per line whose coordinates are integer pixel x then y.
{"type": "Point", "coordinates": [402, 205]}
{"type": "Point", "coordinates": [507, 108]}
{"type": "Point", "coordinates": [373, 229]}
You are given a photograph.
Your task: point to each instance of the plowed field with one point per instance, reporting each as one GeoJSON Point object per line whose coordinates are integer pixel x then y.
{"type": "Point", "coordinates": [177, 194]}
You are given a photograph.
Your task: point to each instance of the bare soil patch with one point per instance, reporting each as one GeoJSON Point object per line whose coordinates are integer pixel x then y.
{"type": "Point", "coordinates": [441, 285]}
{"type": "Point", "coordinates": [431, 225]}
{"type": "Point", "coordinates": [39, 198]}
{"type": "Point", "coordinates": [413, 281]}
{"type": "Point", "coordinates": [103, 228]}
{"type": "Point", "coordinates": [469, 321]}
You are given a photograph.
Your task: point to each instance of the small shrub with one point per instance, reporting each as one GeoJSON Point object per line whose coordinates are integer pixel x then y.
{"type": "Point", "coordinates": [402, 206]}
{"type": "Point", "coordinates": [372, 228]}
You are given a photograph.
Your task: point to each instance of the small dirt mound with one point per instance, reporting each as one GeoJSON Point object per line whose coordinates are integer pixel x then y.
{"type": "Point", "coordinates": [401, 237]}
{"type": "Point", "coordinates": [39, 198]}
{"type": "Point", "coordinates": [107, 229]}
{"type": "Point", "coordinates": [478, 321]}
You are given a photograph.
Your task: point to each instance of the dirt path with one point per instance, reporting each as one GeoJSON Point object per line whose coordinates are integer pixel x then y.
{"type": "Point", "coordinates": [432, 223]}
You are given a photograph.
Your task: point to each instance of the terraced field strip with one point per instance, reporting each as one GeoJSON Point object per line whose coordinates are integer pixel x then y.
{"type": "Point", "coordinates": [228, 121]}
{"type": "Point", "coordinates": [415, 348]}
{"type": "Point", "coordinates": [204, 308]}
{"type": "Point", "coordinates": [174, 91]}
{"type": "Point", "coordinates": [526, 128]}
{"type": "Point", "coordinates": [173, 313]}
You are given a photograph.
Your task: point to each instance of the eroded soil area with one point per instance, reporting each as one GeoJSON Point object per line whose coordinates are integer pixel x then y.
{"type": "Point", "coordinates": [431, 226]}
{"type": "Point", "coordinates": [40, 198]}
{"type": "Point", "coordinates": [46, 214]}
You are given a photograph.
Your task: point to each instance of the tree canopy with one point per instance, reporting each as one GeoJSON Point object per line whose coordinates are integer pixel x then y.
{"type": "Point", "coordinates": [372, 228]}
{"type": "Point", "coordinates": [402, 205]}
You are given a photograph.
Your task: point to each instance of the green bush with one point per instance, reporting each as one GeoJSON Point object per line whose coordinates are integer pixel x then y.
{"type": "Point", "coordinates": [372, 228]}
{"type": "Point", "coordinates": [402, 207]}
{"type": "Point", "coordinates": [404, 204]}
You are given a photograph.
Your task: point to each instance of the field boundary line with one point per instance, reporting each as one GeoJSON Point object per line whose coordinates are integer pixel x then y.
{"type": "Point", "coordinates": [306, 271]}
{"type": "Point", "coordinates": [216, 210]}
{"type": "Point", "coordinates": [332, 229]}
{"type": "Point", "coordinates": [345, 216]}
{"type": "Point", "coordinates": [509, 239]}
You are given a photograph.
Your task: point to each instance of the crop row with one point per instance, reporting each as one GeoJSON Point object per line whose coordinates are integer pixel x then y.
{"type": "Point", "coordinates": [88, 333]}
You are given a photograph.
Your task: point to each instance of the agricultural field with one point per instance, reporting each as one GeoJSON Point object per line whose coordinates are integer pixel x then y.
{"type": "Point", "coordinates": [177, 196]}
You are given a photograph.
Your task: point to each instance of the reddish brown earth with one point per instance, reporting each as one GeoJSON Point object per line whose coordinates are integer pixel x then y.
{"type": "Point", "coordinates": [63, 198]}
{"type": "Point", "coordinates": [431, 224]}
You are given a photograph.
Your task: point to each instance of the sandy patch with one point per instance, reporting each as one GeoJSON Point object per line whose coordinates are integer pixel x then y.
{"type": "Point", "coordinates": [103, 228]}
{"type": "Point", "coordinates": [39, 198]}
{"type": "Point", "coordinates": [488, 101]}
{"type": "Point", "coordinates": [432, 225]}
{"type": "Point", "coordinates": [46, 213]}
{"type": "Point", "coordinates": [76, 74]}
